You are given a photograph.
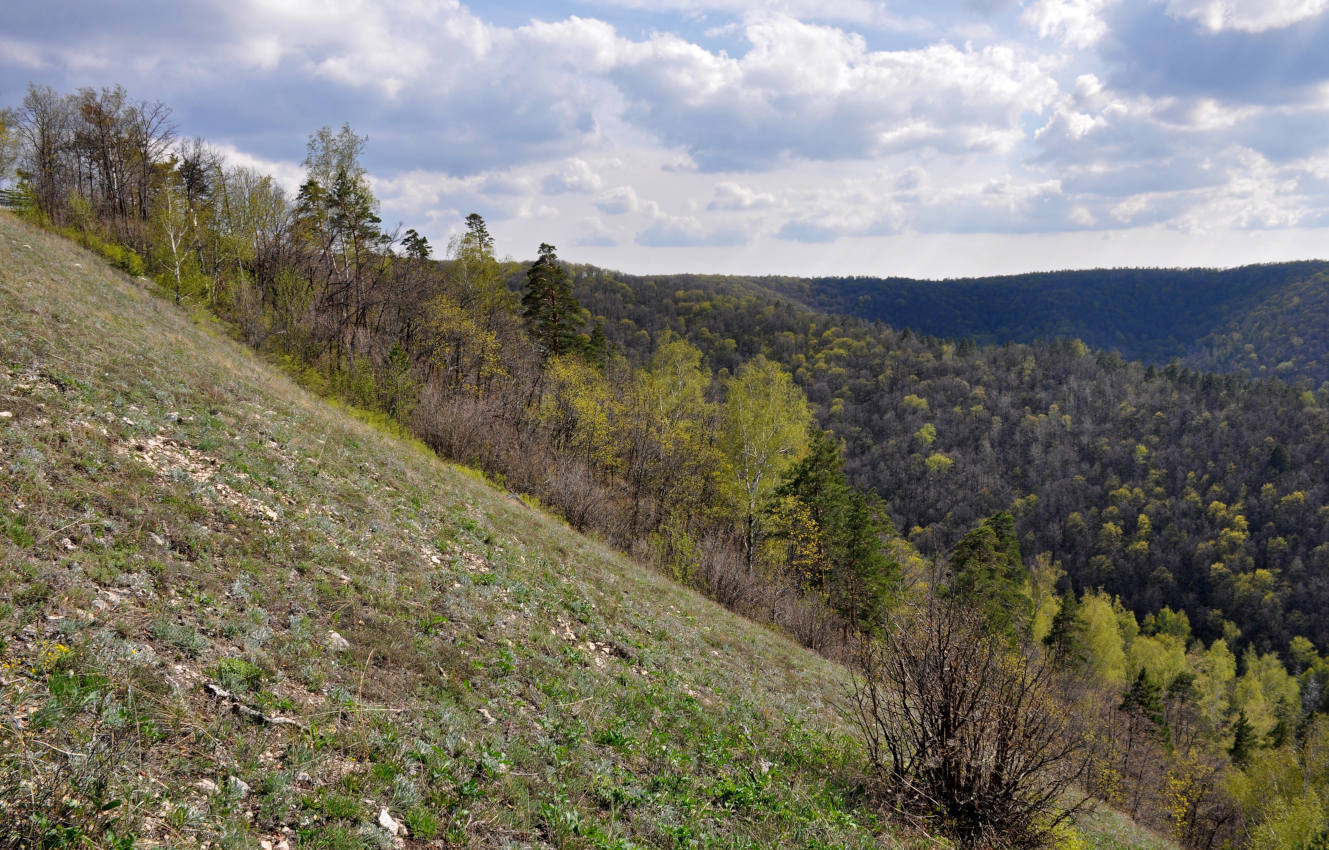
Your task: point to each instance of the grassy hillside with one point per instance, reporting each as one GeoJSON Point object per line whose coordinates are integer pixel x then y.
{"type": "Point", "coordinates": [232, 614]}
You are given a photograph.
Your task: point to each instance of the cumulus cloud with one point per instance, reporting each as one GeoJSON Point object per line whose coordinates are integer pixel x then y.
{"type": "Point", "coordinates": [592, 233]}
{"type": "Point", "coordinates": [848, 208]}
{"type": "Point", "coordinates": [732, 113]}
{"type": "Point", "coordinates": [619, 200]}
{"type": "Point", "coordinates": [1151, 50]}
{"type": "Point", "coordinates": [576, 176]}
{"type": "Point", "coordinates": [869, 13]}
{"type": "Point", "coordinates": [736, 197]}
{"type": "Point", "coordinates": [807, 230]}
{"type": "Point", "coordinates": [1076, 23]}
{"type": "Point", "coordinates": [759, 124]}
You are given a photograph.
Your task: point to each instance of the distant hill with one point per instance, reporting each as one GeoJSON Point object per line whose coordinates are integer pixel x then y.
{"type": "Point", "coordinates": [1152, 315]}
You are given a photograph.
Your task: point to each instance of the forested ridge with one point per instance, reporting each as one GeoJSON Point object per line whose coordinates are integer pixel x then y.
{"type": "Point", "coordinates": [1165, 485]}
{"type": "Point", "coordinates": [1257, 319]}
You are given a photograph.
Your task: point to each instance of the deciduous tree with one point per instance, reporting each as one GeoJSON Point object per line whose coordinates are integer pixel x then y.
{"type": "Point", "coordinates": [764, 431]}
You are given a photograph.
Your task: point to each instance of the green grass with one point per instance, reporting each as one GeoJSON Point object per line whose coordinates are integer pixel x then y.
{"type": "Point", "coordinates": [175, 512]}
{"type": "Point", "coordinates": [1106, 829]}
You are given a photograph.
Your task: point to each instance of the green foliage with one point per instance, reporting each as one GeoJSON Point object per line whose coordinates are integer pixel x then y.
{"type": "Point", "coordinates": [763, 432]}
{"type": "Point", "coordinates": [1145, 697]}
{"type": "Point", "coordinates": [986, 571]}
{"type": "Point", "coordinates": [416, 246]}
{"type": "Point", "coordinates": [475, 279]}
{"type": "Point", "coordinates": [1205, 315]}
{"type": "Point", "coordinates": [1048, 418]}
{"type": "Point", "coordinates": [619, 699]}
{"type": "Point", "coordinates": [237, 674]}
{"type": "Point", "coordinates": [119, 256]}
{"type": "Point", "coordinates": [583, 411]}
{"type": "Point", "coordinates": [1065, 638]}
{"type": "Point", "coordinates": [1104, 648]}
{"type": "Point", "coordinates": [549, 307]}
{"type": "Point", "coordinates": [397, 387]}
{"type": "Point", "coordinates": [1243, 740]}
{"type": "Point", "coordinates": [832, 534]}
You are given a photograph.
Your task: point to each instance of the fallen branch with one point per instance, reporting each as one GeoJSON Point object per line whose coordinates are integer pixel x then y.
{"type": "Point", "coordinates": [249, 712]}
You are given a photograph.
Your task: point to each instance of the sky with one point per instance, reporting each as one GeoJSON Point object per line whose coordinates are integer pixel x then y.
{"type": "Point", "coordinates": [922, 138]}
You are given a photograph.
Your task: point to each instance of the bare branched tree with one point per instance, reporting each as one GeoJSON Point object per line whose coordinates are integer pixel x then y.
{"type": "Point", "coordinates": [964, 728]}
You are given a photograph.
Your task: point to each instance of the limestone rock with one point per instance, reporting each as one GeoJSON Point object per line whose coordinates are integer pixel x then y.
{"type": "Point", "coordinates": [337, 643]}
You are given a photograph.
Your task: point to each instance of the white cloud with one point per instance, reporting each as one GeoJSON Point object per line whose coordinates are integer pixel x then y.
{"type": "Point", "coordinates": [788, 124]}
{"type": "Point", "coordinates": [25, 56]}
{"type": "Point", "coordinates": [733, 196]}
{"type": "Point", "coordinates": [868, 13]}
{"type": "Point", "coordinates": [289, 175]}
{"type": "Point", "coordinates": [356, 42]}
{"type": "Point", "coordinates": [619, 200]}
{"type": "Point", "coordinates": [591, 232]}
{"type": "Point", "coordinates": [1247, 15]}
{"type": "Point", "coordinates": [576, 176]}
{"type": "Point", "coordinates": [734, 112]}
{"type": "Point", "coordinates": [1076, 23]}
{"type": "Point", "coordinates": [1082, 216]}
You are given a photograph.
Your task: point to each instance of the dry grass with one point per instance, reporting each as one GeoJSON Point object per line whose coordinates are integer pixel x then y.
{"type": "Point", "coordinates": [175, 512]}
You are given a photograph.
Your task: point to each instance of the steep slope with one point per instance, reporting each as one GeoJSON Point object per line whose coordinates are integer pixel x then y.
{"type": "Point", "coordinates": [184, 530]}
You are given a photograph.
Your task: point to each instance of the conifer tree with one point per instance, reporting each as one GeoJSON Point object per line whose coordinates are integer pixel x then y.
{"type": "Point", "coordinates": [552, 313]}
{"type": "Point", "coordinates": [856, 576]}
{"type": "Point", "coordinates": [416, 246]}
{"type": "Point", "coordinates": [987, 570]}
{"type": "Point", "coordinates": [1243, 741]}
{"type": "Point", "coordinates": [597, 346]}
{"type": "Point", "coordinates": [1145, 698]}
{"type": "Point", "coordinates": [1066, 636]}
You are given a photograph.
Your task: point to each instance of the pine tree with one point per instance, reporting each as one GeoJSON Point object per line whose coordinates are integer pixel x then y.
{"type": "Point", "coordinates": [1243, 741]}
{"type": "Point", "coordinates": [1065, 638]}
{"type": "Point", "coordinates": [597, 347]}
{"type": "Point", "coordinates": [552, 313]}
{"type": "Point", "coordinates": [856, 577]}
{"type": "Point", "coordinates": [987, 570]}
{"type": "Point", "coordinates": [416, 246]}
{"type": "Point", "coordinates": [1145, 698]}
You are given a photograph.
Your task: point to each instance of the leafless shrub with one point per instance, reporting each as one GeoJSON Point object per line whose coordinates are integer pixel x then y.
{"type": "Point", "coordinates": [963, 728]}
